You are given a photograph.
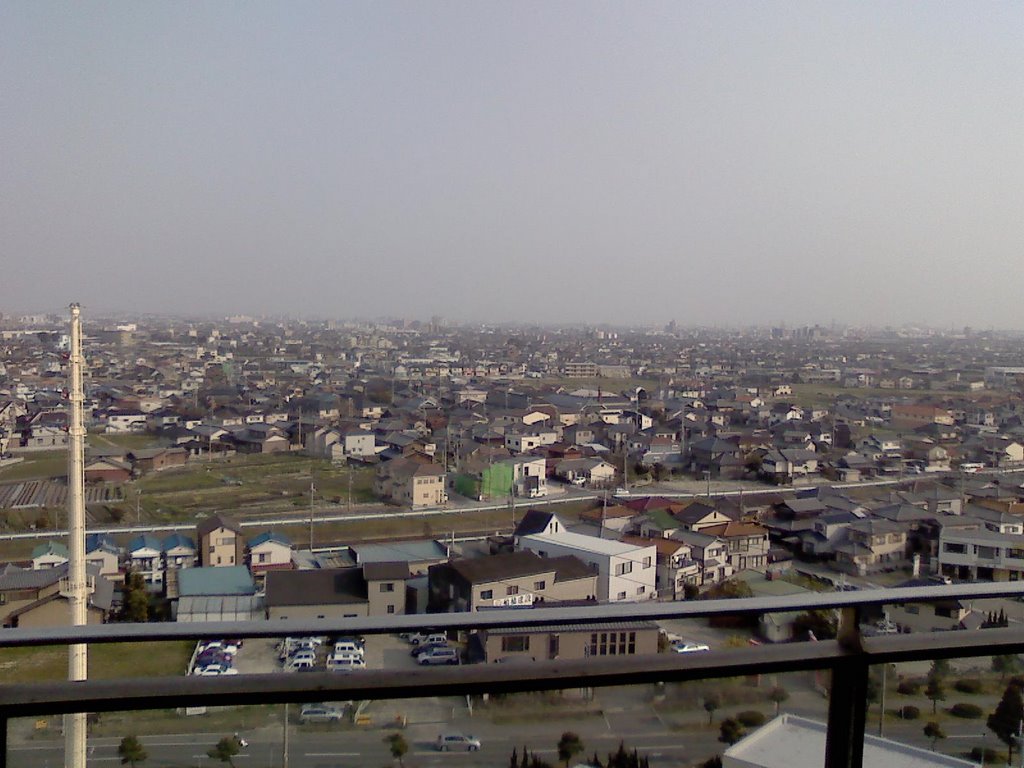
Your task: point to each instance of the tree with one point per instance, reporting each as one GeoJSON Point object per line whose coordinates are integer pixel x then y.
{"type": "Point", "coordinates": [778, 694]}
{"type": "Point", "coordinates": [1006, 719]}
{"type": "Point", "coordinates": [225, 750]}
{"type": "Point", "coordinates": [135, 605]}
{"type": "Point", "coordinates": [935, 691]}
{"type": "Point", "coordinates": [1007, 664]}
{"type": "Point", "coordinates": [940, 669]}
{"type": "Point", "coordinates": [730, 731]}
{"type": "Point", "coordinates": [568, 746]}
{"type": "Point", "coordinates": [398, 746]}
{"type": "Point", "coordinates": [934, 732]}
{"type": "Point", "coordinates": [711, 703]}
{"type": "Point", "coordinates": [131, 751]}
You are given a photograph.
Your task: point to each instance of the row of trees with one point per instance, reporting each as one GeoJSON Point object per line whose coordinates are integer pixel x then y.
{"type": "Point", "coordinates": [132, 752]}
{"type": "Point", "coordinates": [570, 745]}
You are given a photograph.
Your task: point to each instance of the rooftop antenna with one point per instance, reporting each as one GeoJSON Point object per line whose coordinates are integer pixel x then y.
{"type": "Point", "coordinates": [75, 587]}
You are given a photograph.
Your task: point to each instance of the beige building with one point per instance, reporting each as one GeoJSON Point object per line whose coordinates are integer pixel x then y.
{"type": "Point", "coordinates": [385, 588]}
{"type": "Point", "coordinates": [413, 482]}
{"type": "Point", "coordinates": [617, 638]}
{"type": "Point", "coordinates": [220, 542]}
{"type": "Point", "coordinates": [32, 598]}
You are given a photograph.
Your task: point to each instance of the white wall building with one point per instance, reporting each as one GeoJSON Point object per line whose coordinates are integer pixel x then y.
{"type": "Point", "coordinates": [626, 572]}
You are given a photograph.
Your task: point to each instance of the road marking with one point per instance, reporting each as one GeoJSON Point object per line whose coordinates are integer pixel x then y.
{"type": "Point", "coordinates": [333, 754]}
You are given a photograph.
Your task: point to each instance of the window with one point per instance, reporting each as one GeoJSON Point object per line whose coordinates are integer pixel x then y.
{"type": "Point", "coordinates": [641, 590]}
{"type": "Point", "coordinates": [539, 585]}
{"type": "Point", "coordinates": [623, 568]}
{"type": "Point", "coordinates": [1016, 554]}
{"type": "Point", "coordinates": [647, 562]}
{"type": "Point", "coordinates": [262, 557]}
{"type": "Point", "coordinates": [957, 549]}
{"type": "Point", "coordinates": [388, 586]}
{"type": "Point", "coordinates": [622, 596]}
{"type": "Point", "coordinates": [515, 644]}
{"type": "Point", "coordinates": [391, 609]}
{"type": "Point", "coordinates": [513, 590]}
{"type": "Point", "coordinates": [486, 594]}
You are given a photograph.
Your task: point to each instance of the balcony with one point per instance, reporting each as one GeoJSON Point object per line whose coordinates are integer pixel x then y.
{"type": "Point", "coordinates": [841, 665]}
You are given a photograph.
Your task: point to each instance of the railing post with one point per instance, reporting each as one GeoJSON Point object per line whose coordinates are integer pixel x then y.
{"type": "Point", "coordinates": [4, 723]}
{"type": "Point", "coordinates": [847, 701]}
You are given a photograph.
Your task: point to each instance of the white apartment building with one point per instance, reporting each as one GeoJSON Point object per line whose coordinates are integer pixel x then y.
{"type": "Point", "coordinates": [625, 572]}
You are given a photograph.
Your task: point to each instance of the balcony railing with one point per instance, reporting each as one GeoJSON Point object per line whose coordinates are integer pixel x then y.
{"type": "Point", "coordinates": [848, 658]}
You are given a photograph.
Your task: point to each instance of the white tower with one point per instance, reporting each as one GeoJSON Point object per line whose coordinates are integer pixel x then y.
{"type": "Point", "coordinates": [75, 587]}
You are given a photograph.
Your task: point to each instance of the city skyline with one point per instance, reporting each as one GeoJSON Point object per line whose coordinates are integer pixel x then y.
{"type": "Point", "coordinates": [568, 163]}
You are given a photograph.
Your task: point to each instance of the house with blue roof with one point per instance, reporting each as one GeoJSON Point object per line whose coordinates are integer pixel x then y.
{"type": "Point", "coordinates": [51, 554]}
{"type": "Point", "coordinates": [102, 552]}
{"type": "Point", "coordinates": [270, 551]}
{"type": "Point", "coordinates": [145, 557]}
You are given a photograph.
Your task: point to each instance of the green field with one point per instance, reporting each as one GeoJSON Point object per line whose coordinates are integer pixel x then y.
{"type": "Point", "coordinates": [106, 662]}
{"type": "Point", "coordinates": [36, 466]}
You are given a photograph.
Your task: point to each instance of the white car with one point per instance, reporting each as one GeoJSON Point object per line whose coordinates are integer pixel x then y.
{"type": "Point", "coordinates": [682, 646]}
{"type": "Point", "coordinates": [214, 669]}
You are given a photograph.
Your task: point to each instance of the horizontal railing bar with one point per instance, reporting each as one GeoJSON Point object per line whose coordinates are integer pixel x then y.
{"type": "Point", "coordinates": [489, 619]}
{"type": "Point", "coordinates": [28, 700]}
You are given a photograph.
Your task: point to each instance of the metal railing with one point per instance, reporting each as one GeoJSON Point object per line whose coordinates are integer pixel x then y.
{"type": "Point", "coordinates": [848, 658]}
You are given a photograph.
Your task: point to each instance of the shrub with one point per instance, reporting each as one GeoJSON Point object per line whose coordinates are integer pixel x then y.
{"type": "Point", "coordinates": [909, 687]}
{"type": "Point", "coordinates": [751, 718]}
{"type": "Point", "coordinates": [968, 685]}
{"type": "Point", "coordinates": [909, 712]}
{"type": "Point", "coordinates": [969, 711]}
{"type": "Point", "coordinates": [987, 755]}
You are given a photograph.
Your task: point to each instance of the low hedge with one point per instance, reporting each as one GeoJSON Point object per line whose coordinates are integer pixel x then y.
{"type": "Point", "coordinates": [909, 712]}
{"type": "Point", "coordinates": [751, 718]}
{"type": "Point", "coordinates": [909, 687]}
{"type": "Point", "coordinates": [965, 710]}
{"type": "Point", "coordinates": [969, 685]}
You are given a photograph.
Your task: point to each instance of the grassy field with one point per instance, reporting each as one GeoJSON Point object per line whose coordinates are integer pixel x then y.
{"type": "Point", "coordinates": [36, 466]}
{"type": "Point", "coordinates": [106, 662]}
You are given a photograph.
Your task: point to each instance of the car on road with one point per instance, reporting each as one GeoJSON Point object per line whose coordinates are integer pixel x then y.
{"type": "Point", "coordinates": [321, 713]}
{"type": "Point", "coordinates": [684, 646]}
{"type": "Point", "coordinates": [450, 742]}
{"type": "Point", "coordinates": [439, 655]}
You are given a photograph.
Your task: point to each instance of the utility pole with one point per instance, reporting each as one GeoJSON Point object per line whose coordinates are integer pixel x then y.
{"type": "Point", "coordinates": [312, 491]}
{"type": "Point", "coordinates": [75, 587]}
{"type": "Point", "coordinates": [284, 741]}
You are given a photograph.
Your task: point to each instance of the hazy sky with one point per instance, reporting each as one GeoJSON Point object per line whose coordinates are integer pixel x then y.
{"type": "Point", "coordinates": [709, 162]}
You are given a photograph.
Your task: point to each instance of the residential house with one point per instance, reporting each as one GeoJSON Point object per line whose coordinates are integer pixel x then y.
{"type": "Point", "coordinates": [872, 545]}
{"type": "Point", "coordinates": [38, 597]}
{"type": "Point", "coordinates": [746, 544]}
{"type": "Point", "coordinates": [220, 542]}
{"type": "Point", "coordinates": [157, 459]}
{"type": "Point", "coordinates": [589, 472]}
{"type": "Point", "coordinates": [626, 572]}
{"type": "Point", "coordinates": [51, 554]}
{"type": "Point", "coordinates": [323, 593]}
{"type": "Point", "coordinates": [269, 551]}
{"type": "Point", "coordinates": [414, 482]}
{"type": "Point", "coordinates": [104, 555]}
{"type": "Point", "coordinates": [710, 553]}
{"type": "Point", "coordinates": [145, 557]}
{"type": "Point", "coordinates": [385, 587]}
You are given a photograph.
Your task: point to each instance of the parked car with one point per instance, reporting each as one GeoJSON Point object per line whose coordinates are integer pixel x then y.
{"type": "Point", "coordinates": [214, 669]}
{"type": "Point", "coordinates": [348, 646]}
{"type": "Point", "coordinates": [439, 655]}
{"type": "Point", "coordinates": [448, 742]}
{"type": "Point", "coordinates": [418, 649]}
{"type": "Point", "coordinates": [321, 713]}
{"type": "Point", "coordinates": [346, 663]}
{"type": "Point", "coordinates": [421, 638]}
{"type": "Point", "coordinates": [682, 646]}
{"type": "Point", "coordinates": [301, 663]}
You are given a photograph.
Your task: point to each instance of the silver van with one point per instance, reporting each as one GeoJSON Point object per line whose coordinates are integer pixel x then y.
{"type": "Point", "coordinates": [449, 742]}
{"type": "Point", "coordinates": [440, 654]}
